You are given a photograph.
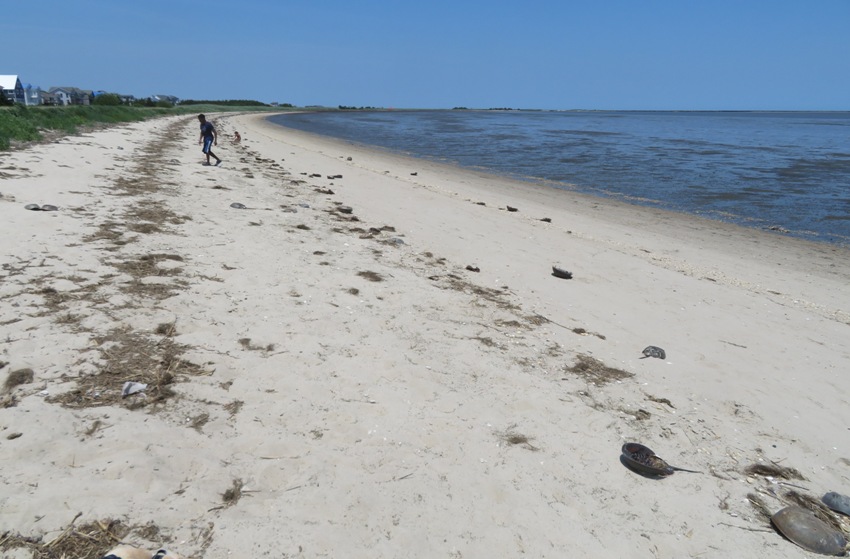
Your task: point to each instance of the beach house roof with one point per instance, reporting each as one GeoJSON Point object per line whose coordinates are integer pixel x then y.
{"type": "Point", "coordinates": [8, 81]}
{"type": "Point", "coordinates": [75, 90]}
{"type": "Point", "coordinates": [170, 98]}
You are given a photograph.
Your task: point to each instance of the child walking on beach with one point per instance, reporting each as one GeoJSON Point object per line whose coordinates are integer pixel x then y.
{"type": "Point", "coordinates": [209, 138]}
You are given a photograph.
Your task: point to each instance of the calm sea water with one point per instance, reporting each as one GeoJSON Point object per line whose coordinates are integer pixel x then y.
{"type": "Point", "coordinates": [766, 170]}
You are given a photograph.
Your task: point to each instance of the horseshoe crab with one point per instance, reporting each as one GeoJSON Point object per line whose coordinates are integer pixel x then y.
{"type": "Point", "coordinates": [559, 272]}
{"type": "Point", "coordinates": [806, 530]}
{"type": "Point", "coordinates": [44, 208]}
{"type": "Point", "coordinates": [837, 502]}
{"type": "Point", "coordinates": [643, 460]}
{"type": "Point", "coordinates": [654, 351]}
{"type": "Point", "coordinates": [238, 206]}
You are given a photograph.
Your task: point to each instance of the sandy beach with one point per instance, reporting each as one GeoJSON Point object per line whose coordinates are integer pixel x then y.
{"type": "Point", "coordinates": [373, 358]}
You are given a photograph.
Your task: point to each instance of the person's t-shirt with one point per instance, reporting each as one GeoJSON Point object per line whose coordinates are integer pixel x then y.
{"type": "Point", "coordinates": [207, 130]}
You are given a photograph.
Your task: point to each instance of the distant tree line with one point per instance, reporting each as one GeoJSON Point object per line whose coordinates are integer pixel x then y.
{"type": "Point", "coordinates": [227, 103]}
{"type": "Point", "coordinates": [113, 100]}
{"type": "Point", "coordinates": [347, 108]}
{"type": "Point", "coordinates": [106, 99]}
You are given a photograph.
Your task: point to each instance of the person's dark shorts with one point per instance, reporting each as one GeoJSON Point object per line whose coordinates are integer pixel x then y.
{"type": "Point", "coordinates": [207, 144]}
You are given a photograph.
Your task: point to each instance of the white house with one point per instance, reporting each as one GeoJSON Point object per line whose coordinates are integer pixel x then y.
{"type": "Point", "coordinates": [12, 88]}
{"type": "Point", "coordinates": [70, 96]}
{"type": "Point", "coordinates": [60, 95]}
{"type": "Point", "coordinates": [32, 94]}
{"type": "Point", "coordinates": [167, 98]}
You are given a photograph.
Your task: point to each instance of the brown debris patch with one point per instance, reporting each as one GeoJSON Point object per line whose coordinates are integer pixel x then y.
{"type": "Point", "coordinates": [233, 494]}
{"type": "Point", "coordinates": [153, 290]}
{"type": "Point", "coordinates": [233, 407]}
{"type": "Point", "coordinates": [144, 228]}
{"type": "Point", "coordinates": [773, 470]}
{"type": "Point", "coordinates": [497, 296]}
{"type": "Point", "coordinates": [128, 355]}
{"type": "Point", "coordinates": [246, 344]}
{"type": "Point", "coordinates": [68, 319]}
{"type": "Point", "coordinates": [148, 265]}
{"type": "Point", "coordinates": [536, 319]}
{"type": "Point", "coordinates": [513, 438]}
{"type": "Point", "coordinates": [53, 299]}
{"type": "Point", "coordinates": [93, 428]}
{"type": "Point", "coordinates": [639, 414]}
{"type": "Point", "coordinates": [93, 539]}
{"type": "Point", "coordinates": [149, 532]}
{"type": "Point", "coordinates": [762, 509]}
{"type": "Point", "coordinates": [155, 212]}
{"type": "Point", "coordinates": [197, 423]}
{"type": "Point", "coordinates": [585, 332]}
{"type": "Point", "coordinates": [371, 276]}
{"type": "Point", "coordinates": [168, 329]}
{"type": "Point", "coordinates": [17, 378]}
{"type": "Point", "coordinates": [107, 231]}
{"type": "Point", "coordinates": [595, 371]}
{"type": "Point", "coordinates": [664, 401]}
{"type": "Point", "coordinates": [486, 340]}
{"type": "Point", "coordinates": [514, 324]}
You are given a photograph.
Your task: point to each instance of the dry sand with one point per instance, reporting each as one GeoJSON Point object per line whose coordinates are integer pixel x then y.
{"type": "Point", "coordinates": [331, 384]}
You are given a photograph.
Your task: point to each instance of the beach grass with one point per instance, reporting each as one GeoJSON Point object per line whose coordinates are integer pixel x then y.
{"type": "Point", "coordinates": [20, 124]}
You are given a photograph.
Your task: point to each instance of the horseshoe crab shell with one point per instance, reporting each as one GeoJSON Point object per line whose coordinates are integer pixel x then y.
{"type": "Point", "coordinates": [642, 460]}
{"type": "Point", "coordinates": [562, 273]}
{"type": "Point", "coordinates": [654, 351]}
{"type": "Point", "coordinates": [238, 206]}
{"type": "Point", "coordinates": [809, 532]}
{"type": "Point", "coordinates": [32, 207]}
{"type": "Point", "coordinates": [837, 502]}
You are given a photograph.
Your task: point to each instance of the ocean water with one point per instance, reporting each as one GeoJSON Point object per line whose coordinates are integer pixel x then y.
{"type": "Point", "coordinates": [787, 172]}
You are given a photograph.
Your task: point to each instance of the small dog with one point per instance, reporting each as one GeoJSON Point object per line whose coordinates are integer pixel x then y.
{"type": "Point", "coordinates": [129, 552]}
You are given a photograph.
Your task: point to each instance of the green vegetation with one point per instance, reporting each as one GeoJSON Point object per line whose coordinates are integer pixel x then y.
{"type": "Point", "coordinates": [27, 124]}
{"type": "Point", "coordinates": [151, 103]}
{"type": "Point", "coordinates": [107, 99]}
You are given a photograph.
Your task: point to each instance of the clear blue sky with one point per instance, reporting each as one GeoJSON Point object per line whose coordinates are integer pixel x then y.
{"type": "Point", "coordinates": [549, 54]}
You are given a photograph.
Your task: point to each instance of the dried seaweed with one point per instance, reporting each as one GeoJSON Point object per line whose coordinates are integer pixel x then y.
{"type": "Point", "coordinates": [233, 494]}
{"type": "Point", "coordinates": [84, 542]}
{"type": "Point", "coordinates": [17, 378]}
{"type": "Point", "coordinates": [772, 470]}
{"type": "Point", "coordinates": [129, 355]}
{"type": "Point", "coordinates": [595, 371]}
